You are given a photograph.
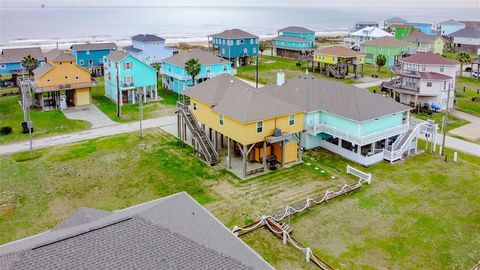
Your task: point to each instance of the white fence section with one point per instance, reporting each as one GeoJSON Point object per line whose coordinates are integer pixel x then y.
{"type": "Point", "coordinates": [361, 175]}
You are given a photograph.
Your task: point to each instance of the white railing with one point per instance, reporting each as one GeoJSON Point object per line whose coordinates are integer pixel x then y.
{"type": "Point", "coordinates": [350, 155]}
{"type": "Point", "coordinates": [314, 129]}
{"type": "Point", "coordinates": [361, 175]}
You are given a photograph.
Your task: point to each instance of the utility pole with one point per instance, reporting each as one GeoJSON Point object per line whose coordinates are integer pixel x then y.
{"type": "Point", "coordinates": [26, 112]}
{"type": "Point", "coordinates": [445, 123]}
{"type": "Point", "coordinates": [256, 77]}
{"type": "Point", "coordinates": [140, 94]}
{"type": "Point", "coordinates": [118, 91]}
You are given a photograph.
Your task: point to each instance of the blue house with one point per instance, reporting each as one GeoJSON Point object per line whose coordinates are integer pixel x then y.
{"type": "Point", "coordinates": [235, 45]}
{"type": "Point", "coordinates": [91, 55]}
{"type": "Point", "coordinates": [426, 28]}
{"type": "Point", "coordinates": [176, 78]}
{"type": "Point", "coordinates": [11, 59]}
{"type": "Point", "coordinates": [450, 26]}
{"type": "Point", "coordinates": [149, 48]}
{"type": "Point", "coordinates": [352, 122]}
{"type": "Point", "coordinates": [294, 42]}
{"type": "Point", "coordinates": [129, 77]}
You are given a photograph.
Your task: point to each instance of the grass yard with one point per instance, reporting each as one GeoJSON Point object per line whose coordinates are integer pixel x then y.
{"type": "Point", "coordinates": [412, 217]}
{"type": "Point", "coordinates": [45, 123]}
{"type": "Point", "coordinates": [453, 122]}
{"type": "Point", "coordinates": [464, 99]}
{"type": "Point", "coordinates": [130, 112]}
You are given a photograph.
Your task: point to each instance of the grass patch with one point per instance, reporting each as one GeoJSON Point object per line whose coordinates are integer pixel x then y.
{"type": "Point", "coordinates": [26, 156]}
{"type": "Point", "coordinates": [45, 123]}
{"type": "Point", "coordinates": [464, 98]}
{"type": "Point", "coordinates": [453, 122]}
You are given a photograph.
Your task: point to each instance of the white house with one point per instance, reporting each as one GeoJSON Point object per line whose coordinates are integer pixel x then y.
{"type": "Point", "coordinates": [466, 40]}
{"type": "Point", "coordinates": [368, 33]}
{"type": "Point", "coordinates": [423, 79]}
{"type": "Point", "coordinates": [149, 48]}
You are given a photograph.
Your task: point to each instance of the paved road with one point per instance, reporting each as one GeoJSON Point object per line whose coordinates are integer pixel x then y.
{"type": "Point", "coordinates": [89, 113]}
{"type": "Point", "coordinates": [460, 145]}
{"type": "Point", "coordinates": [165, 122]}
{"type": "Point", "coordinates": [374, 82]}
{"type": "Point", "coordinates": [470, 131]}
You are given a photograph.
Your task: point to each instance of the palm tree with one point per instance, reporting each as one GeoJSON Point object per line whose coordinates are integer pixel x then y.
{"type": "Point", "coordinates": [463, 58]}
{"type": "Point", "coordinates": [193, 67]}
{"type": "Point", "coordinates": [29, 63]}
{"type": "Point", "coordinates": [381, 61]}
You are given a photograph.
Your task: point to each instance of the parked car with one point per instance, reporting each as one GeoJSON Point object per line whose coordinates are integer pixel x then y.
{"type": "Point", "coordinates": [475, 74]}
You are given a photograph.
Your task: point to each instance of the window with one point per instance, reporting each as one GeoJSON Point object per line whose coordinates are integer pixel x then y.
{"type": "Point", "coordinates": [245, 50]}
{"type": "Point", "coordinates": [260, 127]}
{"type": "Point", "coordinates": [429, 84]}
{"type": "Point", "coordinates": [76, 77]}
{"type": "Point", "coordinates": [128, 79]}
{"type": "Point", "coordinates": [254, 50]}
{"type": "Point", "coordinates": [90, 62]}
{"type": "Point", "coordinates": [66, 77]}
{"type": "Point", "coordinates": [209, 69]}
{"type": "Point", "coordinates": [223, 50]}
{"type": "Point", "coordinates": [3, 66]}
{"type": "Point", "coordinates": [291, 119]}
{"type": "Point", "coordinates": [194, 106]}
{"type": "Point", "coordinates": [423, 68]}
{"type": "Point", "coordinates": [128, 65]}
{"type": "Point", "coordinates": [251, 41]}
{"type": "Point", "coordinates": [88, 52]}
{"type": "Point", "coordinates": [221, 120]}
{"type": "Point", "coordinates": [225, 68]}
{"type": "Point", "coordinates": [81, 62]}
{"type": "Point", "coordinates": [442, 69]}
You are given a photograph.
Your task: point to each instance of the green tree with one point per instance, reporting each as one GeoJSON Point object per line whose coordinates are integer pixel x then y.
{"type": "Point", "coordinates": [193, 67]}
{"type": "Point", "coordinates": [262, 46]}
{"type": "Point", "coordinates": [463, 58]}
{"type": "Point", "coordinates": [29, 63]}
{"type": "Point", "coordinates": [157, 67]}
{"type": "Point", "coordinates": [381, 61]}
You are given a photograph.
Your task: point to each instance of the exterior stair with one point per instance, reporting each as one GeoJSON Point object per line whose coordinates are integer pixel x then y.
{"type": "Point", "coordinates": [206, 147]}
{"type": "Point", "coordinates": [402, 143]}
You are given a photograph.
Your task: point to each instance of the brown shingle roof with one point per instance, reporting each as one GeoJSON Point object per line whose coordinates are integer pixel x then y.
{"type": "Point", "coordinates": [417, 35]}
{"type": "Point", "coordinates": [56, 55]}
{"type": "Point", "coordinates": [339, 51]}
{"type": "Point", "coordinates": [234, 34]}
{"type": "Point", "coordinates": [428, 59]}
{"type": "Point", "coordinates": [94, 46]}
{"type": "Point", "coordinates": [236, 99]}
{"type": "Point", "coordinates": [204, 57]}
{"type": "Point", "coordinates": [385, 42]}
{"type": "Point", "coordinates": [434, 76]}
{"type": "Point", "coordinates": [17, 55]}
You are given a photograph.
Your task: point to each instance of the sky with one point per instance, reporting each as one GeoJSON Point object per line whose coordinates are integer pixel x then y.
{"type": "Point", "coordinates": [364, 3]}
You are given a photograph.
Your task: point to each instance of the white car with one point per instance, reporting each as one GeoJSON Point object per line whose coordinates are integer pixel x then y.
{"type": "Point", "coordinates": [475, 74]}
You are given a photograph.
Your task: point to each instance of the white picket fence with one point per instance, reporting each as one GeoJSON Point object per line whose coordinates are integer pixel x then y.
{"type": "Point", "coordinates": [361, 175]}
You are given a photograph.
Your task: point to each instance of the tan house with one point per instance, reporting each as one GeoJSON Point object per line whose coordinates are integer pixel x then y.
{"type": "Point", "coordinates": [419, 42]}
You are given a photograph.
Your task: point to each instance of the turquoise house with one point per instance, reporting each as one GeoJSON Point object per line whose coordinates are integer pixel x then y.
{"type": "Point", "coordinates": [349, 121]}
{"type": "Point", "coordinates": [127, 79]}
{"type": "Point", "coordinates": [91, 55]}
{"type": "Point", "coordinates": [235, 45]}
{"type": "Point", "coordinates": [294, 42]}
{"type": "Point", "coordinates": [176, 78]}
{"type": "Point", "coordinates": [11, 59]}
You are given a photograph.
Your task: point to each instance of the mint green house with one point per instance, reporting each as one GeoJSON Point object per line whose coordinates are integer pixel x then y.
{"type": "Point", "coordinates": [352, 122]}
{"type": "Point", "coordinates": [391, 47]}
{"type": "Point", "coordinates": [294, 41]}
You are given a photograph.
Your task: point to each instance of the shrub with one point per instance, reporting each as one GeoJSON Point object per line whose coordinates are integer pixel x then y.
{"type": "Point", "coordinates": [5, 130]}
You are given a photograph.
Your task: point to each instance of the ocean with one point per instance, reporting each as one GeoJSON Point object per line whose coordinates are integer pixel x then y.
{"type": "Point", "coordinates": [66, 25]}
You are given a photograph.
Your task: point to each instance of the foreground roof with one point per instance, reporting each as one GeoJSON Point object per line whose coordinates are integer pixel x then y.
{"type": "Point", "coordinates": [204, 57]}
{"type": "Point", "coordinates": [174, 232]}
{"type": "Point", "coordinates": [385, 42]}
{"type": "Point", "coordinates": [468, 32]}
{"type": "Point", "coordinates": [238, 100]}
{"type": "Point", "coordinates": [56, 55]}
{"type": "Point", "coordinates": [94, 46]}
{"type": "Point", "coordinates": [428, 59]}
{"type": "Point", "coordinates": [234, 34]}
{"type": "Point", "coordinates": [314, 94]}
{"type": "Point", "coordinates": [147, 38]}
{"type": "Point", "coordinates": [434, 76]}
{"type": "Point", "coordinates": [17, 55]}
{"type": "Point", "coordinates": [339, 51]}
{"type": "Point", "coordinates": [296, 29]}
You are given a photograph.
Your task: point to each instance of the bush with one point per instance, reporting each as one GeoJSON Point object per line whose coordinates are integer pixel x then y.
{"type": "Point", "coordinates": [5, 130]}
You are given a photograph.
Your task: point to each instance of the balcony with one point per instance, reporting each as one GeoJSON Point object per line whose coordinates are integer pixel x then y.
{"type": "Point", "coordinates": [61, 87]}
{"type": "Point", "coordinates": [397, 85]}
{"type": "Point", "coordinates": [315, 129]}
{"type": "Point", "coordinates": [405, 73]}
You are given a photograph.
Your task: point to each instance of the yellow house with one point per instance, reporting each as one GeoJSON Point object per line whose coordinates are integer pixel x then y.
{"type": "Point", "coordinates": [61, 82]}
{"type": "Point", "coordinates": [256, 127]}
{"type": "Point", "coordinates": [336, 60]}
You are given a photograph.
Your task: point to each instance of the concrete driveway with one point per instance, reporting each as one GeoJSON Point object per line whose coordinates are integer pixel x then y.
{"type": "Point", "coordinates": [470, 131]}
{"type": "Point", "coordinates": [89, 113]}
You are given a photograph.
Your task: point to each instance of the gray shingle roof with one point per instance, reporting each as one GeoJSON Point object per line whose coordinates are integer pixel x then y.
{"type": "Point", "coordinates": [83, 215]}
{"type": "Point", "coordinates": [395, 19]}
{"type": "Point", "coordinates": [94, 46]}
{"type": "Point", "coordinates": [234, 34]}
{"type": "Point", "coordinates": [132, 49]}
{"type": "Point", "coordinates": [417, 35]}
{"type": "Point", "coordinates": [56, 55]}
{"type": "Point", "coordinates": [117, 55]}
{"type": "Point", "coordinates": [174, 232]}
{"type": "Point", "coordinates": [39, 71]}
{"type": "Point", "coordinates": [204, 57]}
{"type": "Point", "coordinates": [296, 29]}
{"type": "Point", "coordinates": [238, 100]}
{"type": "Point", "coordinates": [468, 32]}
{"type": "Point", "coordinates": [17, 55]}
{"type": "Point", "coordinates": [451, 22]}
{"type": "Point", "coordinates": [147, 38]}
{"type": "Point", "coordinates": [313, 94]}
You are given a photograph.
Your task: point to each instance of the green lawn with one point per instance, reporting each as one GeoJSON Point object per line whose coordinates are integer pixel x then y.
{"type": "Point", "coordinates": [453, 122]}
{"type": "Point", "coordinates": [45, 123]}
{"type": "Point", "coordinates": [464, 99]}
{"type": "Point", "coordinates": [130, 112]}
{"type": "Point", "coordinates": [412, 217]}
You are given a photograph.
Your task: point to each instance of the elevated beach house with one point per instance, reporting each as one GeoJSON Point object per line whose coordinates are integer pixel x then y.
{"type": "Point", "coordinates": [228, 115]}
{"type": "Point", "coordinates": [173, 232]}
{"type": "Point", "coordinates": [423, 80]}
{"type": "Point", "coordinates": [336, 61]}
{"type": "Point", "coordinates": [419, 42]}
{"type": "Point", "coordinates": [361, 25]}
{"type": "Point", "coordinates": [11, 59]}
{"type": "Point", "coordinates": [395, 20]}
{"type": "Point", "coordinates": [91, 55]}
{"type": "Point", "coordinates": [235, 45]}
{"type": "Point", "coordinates": [176, 78]}
{"type": "Point", "coordinates": [127, 79]}
{"type": "Point", "coordinates": [354, 39]}
{"type": "Point", "coordinates": [60, 82]}
{"type": "Point", "coordinates": [390, 47]}
{"type": "Point", "coordinates": [294, 42]}
{"type": "Point", "coordinates": [149, 48]}
{"type": "Point", "coordinates": [466, 40]}
{"type": "Point", "coordinates": [450, 26]}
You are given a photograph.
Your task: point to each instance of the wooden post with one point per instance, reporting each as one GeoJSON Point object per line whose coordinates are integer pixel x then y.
{"type": "Point", "coordinates": [229, 155]}
{"type": "Point", "coordinates": [264, 156]}
{"type": "Point", "coordinates": [300, 146]}
{"type": "Point", "coordinates": [179, 129]}
{"type": "Point", "coordinates": [283, 153]}
{"type": "Point", "coordinates": [221, 140]}
{"type": "Point", "coordinates": [244, 160]}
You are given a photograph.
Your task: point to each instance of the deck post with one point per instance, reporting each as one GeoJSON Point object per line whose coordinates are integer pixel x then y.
{"type": "Point", "coordinates": [244, 160]}
{"type": "Point", "coordinates": [300, 147]}
{"type": "Point", "coordinates": [264, 156]}
{"type": "Point", "coordinates": [178, 126]}
{"type": "Point", "coordinates": [184, 131]}
{"type": "Point", "coordinates": [221, 140]}
{"type": "Point", "coordinates": [229, 155]}
{"type": "Point", "coordinates": [215, 145]}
